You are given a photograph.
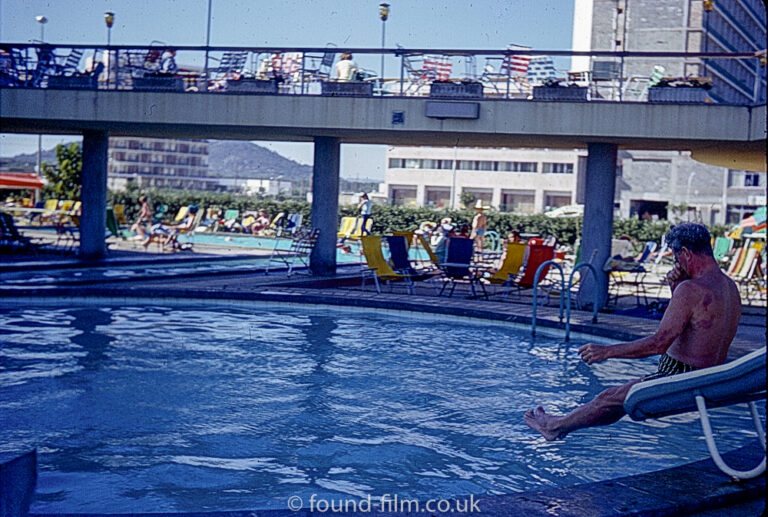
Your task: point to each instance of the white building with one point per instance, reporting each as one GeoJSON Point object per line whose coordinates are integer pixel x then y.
{"type": "Point", "coordinates": [159, 163]}
{"type": "Point", "coordinates": [511, 180]}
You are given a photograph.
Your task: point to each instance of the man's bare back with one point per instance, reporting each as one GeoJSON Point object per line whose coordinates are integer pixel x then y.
{"type": "Point", "coordinates": [713, 309]}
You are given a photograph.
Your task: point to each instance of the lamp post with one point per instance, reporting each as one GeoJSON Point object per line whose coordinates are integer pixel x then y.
{"type": "Point", "coordinates": [109, 19]}
{"type": "Point", "coordinates": [383, 14]}
{"type": "Point", "coordinates": [42, 20]}
{"type": "Point", "coordinates": [207, 44]}
{"type": "Point", "coordinates": [708, 6]}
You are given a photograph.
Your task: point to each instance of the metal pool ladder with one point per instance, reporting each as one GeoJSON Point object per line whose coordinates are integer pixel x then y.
{"type": "Point", "coordinates": [563, 290]}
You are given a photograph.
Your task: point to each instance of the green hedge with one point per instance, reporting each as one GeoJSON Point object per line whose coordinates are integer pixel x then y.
{"type": "Point", "coordinates": [389, 218]}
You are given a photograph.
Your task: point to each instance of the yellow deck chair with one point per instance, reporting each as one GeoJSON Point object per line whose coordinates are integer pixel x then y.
{"type": "Point", "coordinates": [378, 267]}
{"type": "Point", "coordinates": [346, 227]}
{"type": "Point", "coordinates": [513, 261]}
{"type": "Point", "coordinates": [181, 214]}
{"type": "Point", "coordinates": [75, 209]}
{"type": "Point", "coordinates": [66, 206]}
{"type": "Point", "coordinates": [358, 230]}
{"type": "Point", "coordinates": [431, 254]}
{"type": "Point", "coordinates": [119, 211]}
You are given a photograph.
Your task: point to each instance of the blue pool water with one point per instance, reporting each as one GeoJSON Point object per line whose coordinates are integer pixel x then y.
{"type": "Point", "coordinates": [192, 408]}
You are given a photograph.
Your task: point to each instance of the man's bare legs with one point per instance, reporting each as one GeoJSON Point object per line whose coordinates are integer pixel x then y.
{"type": "Point", "coordinates": [605, 409]}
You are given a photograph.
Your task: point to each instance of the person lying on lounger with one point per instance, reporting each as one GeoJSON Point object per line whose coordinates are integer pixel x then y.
{"type": "Point", "coordinates": [696, 332]}
{"type": "Point", "coordinates": [170, 234]}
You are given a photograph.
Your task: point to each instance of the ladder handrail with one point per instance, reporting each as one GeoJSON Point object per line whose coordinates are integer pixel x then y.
{"type": "Point", "coordinates": [593, 269]}
{"type": "Point", "coordinates": [536, 291]}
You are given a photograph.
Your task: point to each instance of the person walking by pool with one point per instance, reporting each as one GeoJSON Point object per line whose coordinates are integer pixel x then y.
{"type": "Point", "coordinates": [364, 209]}
{"type": "Point", "coordinates": [696, 332]}
{"type": "Point", "coordinates": [346, 69]}
{"type": "Point", "coordinates": [479, 225]}
{"type": "Point", "coordinates": [144, 220]}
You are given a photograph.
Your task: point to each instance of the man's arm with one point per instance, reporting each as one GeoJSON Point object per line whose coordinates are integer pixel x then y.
{"type": "Point", "coordinates": [675, 320]}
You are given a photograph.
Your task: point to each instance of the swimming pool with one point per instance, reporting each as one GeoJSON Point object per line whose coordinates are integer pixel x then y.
{"type": "Point", "coordinates": [148, 408]}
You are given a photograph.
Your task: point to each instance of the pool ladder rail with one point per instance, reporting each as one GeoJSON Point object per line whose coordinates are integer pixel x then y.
{"type": "Point", "coordinates": [563, 290]}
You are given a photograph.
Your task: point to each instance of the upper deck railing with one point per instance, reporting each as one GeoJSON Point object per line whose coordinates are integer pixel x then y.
{"type": "Point", "coordinates": [673, 77]}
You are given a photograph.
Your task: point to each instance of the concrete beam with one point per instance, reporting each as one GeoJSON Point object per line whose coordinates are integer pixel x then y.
{"type": "Point", "coordinates": [325, 205]}
{"type": "Point", "coordinates": [511, 123]}
{"type": "Point", "coordinates": [93, 194]}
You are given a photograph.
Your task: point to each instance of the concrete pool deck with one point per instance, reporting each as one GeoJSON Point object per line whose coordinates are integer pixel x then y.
{"type": "Point", "coordinates": [695, 489]}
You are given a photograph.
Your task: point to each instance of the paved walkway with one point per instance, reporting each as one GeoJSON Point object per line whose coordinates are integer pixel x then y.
{"type": "Point", "coordinates": [684, 490]}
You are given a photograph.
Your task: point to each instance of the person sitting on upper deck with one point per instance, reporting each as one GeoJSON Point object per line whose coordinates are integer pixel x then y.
{"type": "Point", "coordinates": [346, 69]}
{"type": "Point", "coordinates": [696, 332]}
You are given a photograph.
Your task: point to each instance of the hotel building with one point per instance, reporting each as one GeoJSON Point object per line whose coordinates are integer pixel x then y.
{"type": "Point", "coordinates": [159, 163]}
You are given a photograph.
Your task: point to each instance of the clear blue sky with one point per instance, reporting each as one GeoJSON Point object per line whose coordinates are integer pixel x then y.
{"type": "Point", "coordinates": [479, 24]}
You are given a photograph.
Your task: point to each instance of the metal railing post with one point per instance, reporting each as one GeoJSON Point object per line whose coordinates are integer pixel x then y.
{"type": "Point", "coordinates": [536, 291]}
{"type": "Point", "coordinates": [568, 303]}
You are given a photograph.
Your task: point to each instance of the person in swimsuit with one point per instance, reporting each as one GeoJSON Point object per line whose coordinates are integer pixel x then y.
{"type": "Point", "coordinates": [696, 332]}
{"type": "Point", "coordinates": [479, 226]}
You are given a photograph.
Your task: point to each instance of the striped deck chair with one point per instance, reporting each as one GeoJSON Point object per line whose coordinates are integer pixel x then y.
{"type": "Point", "coordinates": [302, 244]}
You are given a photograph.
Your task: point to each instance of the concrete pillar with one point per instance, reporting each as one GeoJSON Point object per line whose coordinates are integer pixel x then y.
{"type": "Point", "coordinates": [600, 183]}
{"type": "Point", "coordinates": [93, 194]}
{"type": "Point", "coordinates": [325, 205]}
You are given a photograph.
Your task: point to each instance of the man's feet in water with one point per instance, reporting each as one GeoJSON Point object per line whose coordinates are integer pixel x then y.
{"type": "Point", "coordinates": [538, 420]}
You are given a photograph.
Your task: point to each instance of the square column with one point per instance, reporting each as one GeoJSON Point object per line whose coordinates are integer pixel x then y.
{"type": "Point", "coordinates": [93, 194]}
{"type": "Point", "coordinates": [325, 205]}
{"type": "Point", "coordinates": [600, 183]}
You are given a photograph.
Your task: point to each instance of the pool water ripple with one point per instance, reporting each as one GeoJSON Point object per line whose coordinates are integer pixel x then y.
{"type": "Point", "coordinates": [153, 408]}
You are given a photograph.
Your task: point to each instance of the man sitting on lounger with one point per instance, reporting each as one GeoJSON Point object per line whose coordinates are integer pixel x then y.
{"type": "Point", "coordinates": [696, 331]}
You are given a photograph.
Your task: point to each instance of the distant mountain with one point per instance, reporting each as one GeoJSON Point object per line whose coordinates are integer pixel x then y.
{"type": "Point", "coordinates": [27, 162]}
{"type": "Point", "coordinates": [226, 159]}
{"type": "Point", "coordinates": [230, 158]}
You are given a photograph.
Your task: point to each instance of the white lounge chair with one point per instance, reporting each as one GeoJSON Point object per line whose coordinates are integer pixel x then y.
{"type": "Point", "coordinates": [739, 381]}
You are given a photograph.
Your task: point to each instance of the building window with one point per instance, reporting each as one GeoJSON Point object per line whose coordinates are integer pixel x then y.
{"type": "Point", "coordinates": [518, 201]}
{"type": "Point", "coordinates": [557, 168]}
{"type": "Point", "coordinates": [437, 197]}
{"type": "Point", "coordinates": [554, 200]}
{"type": "Point", "coordinates": [739, 179]}
{"type": "Point", "coordinates": [402, 196]}
{"type": "Point", "coordinates": [736, 213]}
{"type": "Point", "coordinates": [751, 179]}
{"type": "Point", "coordinates": [517, 166]}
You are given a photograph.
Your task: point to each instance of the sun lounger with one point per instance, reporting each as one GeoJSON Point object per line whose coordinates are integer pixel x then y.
{"type": "Point", "coordinates": [739, 381]}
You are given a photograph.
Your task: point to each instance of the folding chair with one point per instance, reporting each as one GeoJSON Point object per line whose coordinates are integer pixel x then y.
{"type": "Point", "coordinates": [317, 67]}
{"type": "Point", "coordinates": [638, 85]}
{"type": "Point", "coordinates": [458, 266]}
{"type": "Point", "coordinates": [299, 251]}
{"type": "Point", "coordinates": [417, 75]}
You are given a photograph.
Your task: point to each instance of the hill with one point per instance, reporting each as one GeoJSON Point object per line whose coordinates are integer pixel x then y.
{"type": "Point", "coordinates": [229, 158]}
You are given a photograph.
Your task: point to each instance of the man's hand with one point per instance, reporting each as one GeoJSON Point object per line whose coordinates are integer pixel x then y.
{"type": "Point", "coordinates": [592, 353]}
{"type": "Point", "coordinates": [675, 276]}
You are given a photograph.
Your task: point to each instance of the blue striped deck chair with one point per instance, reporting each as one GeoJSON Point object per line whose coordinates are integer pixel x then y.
{"type": "Point", "coordinates": [458, 266]}
{"type": "Point", "coordinates": [739, 381]}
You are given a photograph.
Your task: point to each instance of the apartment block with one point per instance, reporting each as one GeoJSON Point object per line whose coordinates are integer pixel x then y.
{"type": "Point", "coordinates": [159, 163]}
{"type": "Point", "coordinates": [512, 180]}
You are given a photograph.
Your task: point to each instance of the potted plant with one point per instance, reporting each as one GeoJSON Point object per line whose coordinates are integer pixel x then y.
{"type": "Point", "coordinates": [346, 88]}
{"type": "Point", "coordinates": [553, 90]}
{"type": "Point", "coordinates": [680, 90]}
{"type": "Point", "coordinates": [73, 82]}
{"type": "Point", "coordinates": [250, 84]}
{"type": "Point", "coordinates": [466, 89]}
{"type": "Point", "coordinates": [159, 82]}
